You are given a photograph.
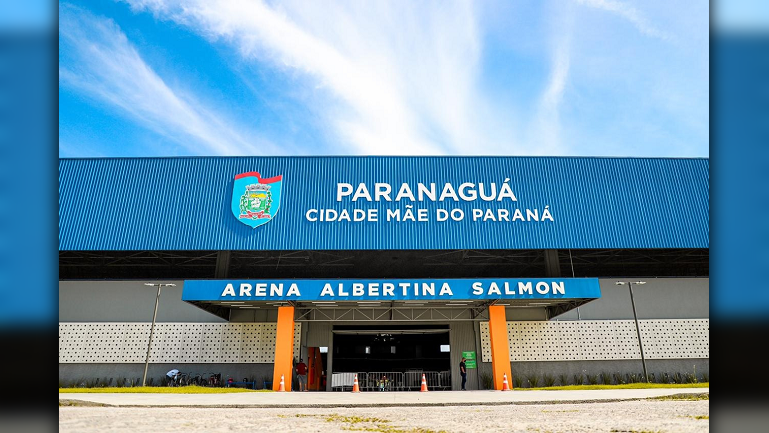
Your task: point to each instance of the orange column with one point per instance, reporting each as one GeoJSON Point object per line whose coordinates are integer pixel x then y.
{"type": "Point", "coordinates": [284, 348]}
{"type": "Point", "coordinates": [500, 348]}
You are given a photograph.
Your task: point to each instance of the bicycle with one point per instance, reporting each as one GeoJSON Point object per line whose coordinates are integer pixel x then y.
{"type": "Point", "coordinates": [197, 380]}
{"type": "Point", "coordinates": [214, 379]}
{"type": "Point", "coordinates": [183, 379]}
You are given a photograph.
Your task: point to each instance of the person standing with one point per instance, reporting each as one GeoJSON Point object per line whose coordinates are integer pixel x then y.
{"type": "Point", "coordinates": [384, 383]}
{"type": "Point", "coordinates": [301, 375]}
{"type": "Point", "coordinates": [463, 372]}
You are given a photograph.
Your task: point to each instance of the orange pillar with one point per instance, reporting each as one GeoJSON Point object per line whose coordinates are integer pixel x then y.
{"type": "Point", "coordinates": [500, 348]}
{"type": "Point", "coordinates": [284, 348]}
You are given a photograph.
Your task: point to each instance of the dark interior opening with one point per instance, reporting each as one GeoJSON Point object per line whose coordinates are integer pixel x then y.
{"type": "Point", "coordinates": [391, 349]}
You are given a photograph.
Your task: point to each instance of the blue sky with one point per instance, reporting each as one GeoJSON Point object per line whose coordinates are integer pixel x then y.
{"type": "Point", "coordinates": [545, 77]}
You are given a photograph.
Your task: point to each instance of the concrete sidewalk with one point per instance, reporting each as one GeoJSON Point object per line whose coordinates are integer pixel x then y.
{"type": "Point", "coordinates": [372, 399]}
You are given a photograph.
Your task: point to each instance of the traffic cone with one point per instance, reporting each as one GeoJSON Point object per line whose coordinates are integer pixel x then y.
{"type": "Point", "coordinates": [355, 387]}
{"type": "Point", "coordinates": [424, 384]}
{"type": "Point", "coordinates": [282, 384]}
{"type": "Point", "coordinates": [505, 386]}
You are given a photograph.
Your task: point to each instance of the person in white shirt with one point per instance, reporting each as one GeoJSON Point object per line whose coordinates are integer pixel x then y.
{"type": "Point", "coordinates": [171, 375]}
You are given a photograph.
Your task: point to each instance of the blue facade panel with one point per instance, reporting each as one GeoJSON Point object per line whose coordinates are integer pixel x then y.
{"type": "Point", "coordinates": [188, 203]}
{"type": "Point", "coordinates": [391, 290]}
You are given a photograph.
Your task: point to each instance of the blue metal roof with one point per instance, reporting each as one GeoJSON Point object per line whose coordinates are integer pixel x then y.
{"type": "Point", "coordinates": [187, 203]}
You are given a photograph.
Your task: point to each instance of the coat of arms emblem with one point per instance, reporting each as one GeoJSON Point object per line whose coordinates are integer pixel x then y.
{"type": "Point", "coordinates": [256, 200]}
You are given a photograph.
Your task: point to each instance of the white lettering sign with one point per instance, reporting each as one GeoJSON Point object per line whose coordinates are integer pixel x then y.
{"type": "Point", "coordinates": [356, 290]}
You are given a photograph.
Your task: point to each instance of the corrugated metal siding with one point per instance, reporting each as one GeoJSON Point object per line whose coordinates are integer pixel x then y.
{"type": "Point", "coordinates": [318, 334]}
{"type": "Point", "coordinates": [462, 339]}
{"type": "Point", "coordinates": [184, 203]}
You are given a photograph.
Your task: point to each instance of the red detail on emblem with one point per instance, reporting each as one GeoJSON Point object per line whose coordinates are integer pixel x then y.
{"type": "Point", "coordinates": [258, 176]}
{"type": "Point", "coordinates": [255, 215]}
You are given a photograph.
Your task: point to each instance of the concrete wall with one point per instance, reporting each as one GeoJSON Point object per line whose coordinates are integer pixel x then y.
{"type": "Point", "coordinates": [70, 374]}
{"type": "Point", "coordinates": [125, 301]}
{"type": "Point", "coordinates": [522, 370]}
{"type": "Point", "coordinates": [659, 298]}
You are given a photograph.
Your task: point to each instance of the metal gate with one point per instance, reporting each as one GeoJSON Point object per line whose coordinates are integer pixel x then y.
{"type": "Point", "coordinates": [392, 380]}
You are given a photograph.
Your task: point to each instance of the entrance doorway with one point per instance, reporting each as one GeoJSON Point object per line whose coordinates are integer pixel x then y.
{"type": "Point", "coordinates": [317, 359]}
{"type": "Point", "coordinates": [391, 358]}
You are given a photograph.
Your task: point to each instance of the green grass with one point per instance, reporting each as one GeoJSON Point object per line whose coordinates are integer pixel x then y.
{"type": "Point", "coordinates": [639, 385]}
{"type": "Point", "coordinates": [209, 390]}
{"type": "Point", "coordinates": [354, 419]}
{"type": "Point", "coordinates": [159, 390]}
{"type": "Point", "coordinates": [374, 425]}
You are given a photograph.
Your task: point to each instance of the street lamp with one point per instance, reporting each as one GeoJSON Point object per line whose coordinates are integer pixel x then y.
{"type": "Point", "coordinates": [152, 329]}
{"type": "Point", "coordinates": [635, 316]}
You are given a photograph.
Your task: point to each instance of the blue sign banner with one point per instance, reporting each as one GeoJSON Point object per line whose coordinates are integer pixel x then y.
{"type": "Point", "coordinates": [391, 290]}
{"type": "Point", "coordinates": [382, 203]}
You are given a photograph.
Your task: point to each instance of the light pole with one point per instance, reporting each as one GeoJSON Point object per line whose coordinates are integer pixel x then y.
{"type": "Point", "coordinates": [635, 316]}
{"type": "Point", "coordinates": [152, 329]}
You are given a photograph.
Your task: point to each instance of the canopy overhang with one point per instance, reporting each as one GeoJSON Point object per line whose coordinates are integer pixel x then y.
{"type": "Point", "coordinates": [390, 300]}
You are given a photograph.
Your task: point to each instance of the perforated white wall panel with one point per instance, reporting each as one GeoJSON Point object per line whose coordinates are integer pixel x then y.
{"type": "Point", "coordinates": [567, 341]}
{"type": "Point", "coordinates": [171, 342]}
{"type": "Point", "coordinates": [485, 342]}
{"type": "Point", "coordinates": [602, 340]}
{"type": "Point", "coordinates": [665, 339]}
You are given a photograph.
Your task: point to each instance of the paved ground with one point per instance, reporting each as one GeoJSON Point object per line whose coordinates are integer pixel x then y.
{"type": "Point", "coordinates": [472, 411]}
{"type": "Point", "coordinates": [339, 399]}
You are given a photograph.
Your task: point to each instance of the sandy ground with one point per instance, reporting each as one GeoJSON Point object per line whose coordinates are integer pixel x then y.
{"type": "Point", "coordinates": [625, 416]}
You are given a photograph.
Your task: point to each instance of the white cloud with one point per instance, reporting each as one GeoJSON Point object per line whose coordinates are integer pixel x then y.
{"type": "Point", "coordinates": [548, 122]}
{"type": "Point", "coordinates": [100, 61]}
{"type": "Point", "coordinates": [629, 13]}
{"type": "Point", "coordinates": [401, 76]}
{"type": "Point", "coordinates": [545, 129]}
{"type": "Point", "coordinates": [431, 77]}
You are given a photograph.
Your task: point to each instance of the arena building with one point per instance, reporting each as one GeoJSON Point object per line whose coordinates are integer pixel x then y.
{"type": "Point", "coordinates": [539, 269]}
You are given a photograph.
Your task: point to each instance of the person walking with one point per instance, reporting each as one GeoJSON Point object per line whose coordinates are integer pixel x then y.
{"type": "Point", "coordinates": [463, 372]}
{"type": "Point", "coordinates": [301, 375]}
